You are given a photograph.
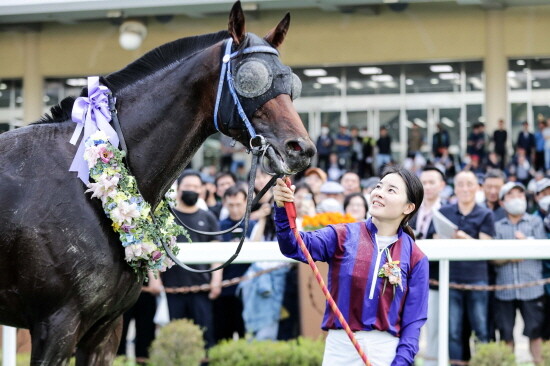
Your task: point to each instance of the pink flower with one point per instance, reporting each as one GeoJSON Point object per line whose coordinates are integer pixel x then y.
{"type": "Point", "coordinates": [156, 255]}
{"type": "Point", "coordinates": [91, 154]}
{"type": "Point", "coordinates": [105, 154]}
{"type": "Point", "coordinates": [127, 228]}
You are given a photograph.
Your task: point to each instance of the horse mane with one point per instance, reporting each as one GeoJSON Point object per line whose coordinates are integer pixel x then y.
{"type": "Point", "coordinates": [148, 64]}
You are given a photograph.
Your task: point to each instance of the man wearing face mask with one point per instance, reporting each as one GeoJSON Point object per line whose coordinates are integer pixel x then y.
{"type": "Point", "coordinates": [529, 300]}
{"type": "Point", "coordinates": [324, 148]}
{"type": "Point", "coordinates": [542, 196]}
{"type": "Point", "coordinates": [194, 306]}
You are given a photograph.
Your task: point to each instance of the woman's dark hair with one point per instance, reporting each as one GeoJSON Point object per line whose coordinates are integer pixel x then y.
{"type": "Point", "coordinates": [415, 193]}
{"type": "Point", "coordinates": [349, 197]}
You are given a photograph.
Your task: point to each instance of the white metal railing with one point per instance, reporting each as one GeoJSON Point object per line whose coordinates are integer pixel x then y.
{"type": "Point", "coordinates": [441, 250]}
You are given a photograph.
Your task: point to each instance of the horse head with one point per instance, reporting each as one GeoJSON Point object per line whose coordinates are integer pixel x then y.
{"type": "Point", "coordinates": [265, 88]}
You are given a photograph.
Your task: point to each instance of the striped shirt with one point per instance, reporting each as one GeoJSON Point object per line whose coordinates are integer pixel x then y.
{"type": "Point", "coordinates": [354, 262]}
{"type": "Point", "coordinates": [525, 271]}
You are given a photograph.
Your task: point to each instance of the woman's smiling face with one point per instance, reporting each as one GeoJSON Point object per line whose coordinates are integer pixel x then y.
{"type": "Point", "coordinates": [389, 199]}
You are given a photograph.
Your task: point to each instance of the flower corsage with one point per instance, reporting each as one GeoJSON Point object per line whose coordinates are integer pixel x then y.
{"type": "Point", "coordinates": [391, 272]}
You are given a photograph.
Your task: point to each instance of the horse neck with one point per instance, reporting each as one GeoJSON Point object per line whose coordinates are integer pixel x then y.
{"type": "Point", "coordinates": [166, 117]}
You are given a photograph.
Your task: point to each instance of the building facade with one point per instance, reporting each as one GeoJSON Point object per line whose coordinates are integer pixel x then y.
{"type": "Point", "coordinates": [425, 63]}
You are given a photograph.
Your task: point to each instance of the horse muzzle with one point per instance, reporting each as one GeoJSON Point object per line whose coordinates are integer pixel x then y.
{"type": "Point", "coordinates": [295, 156]}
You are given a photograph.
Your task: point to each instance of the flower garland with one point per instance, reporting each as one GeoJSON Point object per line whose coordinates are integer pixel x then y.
{"type": "Point", "coordinates": [131, 215]}
{"type": "Point", "coordinates": [321, 220]}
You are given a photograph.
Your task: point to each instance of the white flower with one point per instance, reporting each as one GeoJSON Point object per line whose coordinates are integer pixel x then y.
{"type": "Point", "coordinates": [132, 252]}
{"type": "Point", "coordinates": [104, 187]}
{"type": "Point", "coordinates": [166, 263]}
{"type": "Point", "coordinates": [148, 248]}
{"type": "Point", "coordinates": [99, 135]}
{"type": "Point", "coordinates": [124, 212]}
{"type": "Point", "coordinates": [91, 154]}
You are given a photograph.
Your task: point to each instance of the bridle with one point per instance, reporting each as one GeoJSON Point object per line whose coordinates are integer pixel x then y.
{"type": "Point", "coordinates": [257, 147]}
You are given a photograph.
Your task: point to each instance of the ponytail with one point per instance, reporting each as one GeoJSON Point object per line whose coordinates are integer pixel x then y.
{"type": "Point", "coordinates": [408, 229]}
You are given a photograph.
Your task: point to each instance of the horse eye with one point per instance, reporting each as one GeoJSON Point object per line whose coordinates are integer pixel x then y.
{"type": "Point", "coordinates": [253, 78]}
{"type": "Point", "coordinates": [296, 87]}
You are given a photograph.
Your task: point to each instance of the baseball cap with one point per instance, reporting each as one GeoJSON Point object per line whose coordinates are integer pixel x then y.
{"type": "Point", "coordinates": [317, 171]}
{"type": "Point", "coordinates": [332, 188]}
{"type": "Point", "coordinates": [508, 187]}
{"type": "Point", "coordinates": [543, 184]}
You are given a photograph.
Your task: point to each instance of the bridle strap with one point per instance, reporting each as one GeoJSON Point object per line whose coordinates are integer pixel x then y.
{"type": "Point", "coordinates": [245, 229]}
{"type": "Point", "coordinates": [255, 201]}
{"type": "Point", "coordinates": [225, 74]}
{"type": "Point", "coordinates": [258, 152]}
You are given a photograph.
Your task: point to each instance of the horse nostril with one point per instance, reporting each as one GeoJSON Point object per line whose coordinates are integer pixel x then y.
{"type": "Point", "coordinates": [294, 146]}
{"type": "Point", "coordinates": [300, 148]}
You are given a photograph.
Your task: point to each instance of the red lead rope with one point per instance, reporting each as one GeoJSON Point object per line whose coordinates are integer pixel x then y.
{"type": "Point", "coordinates": [291, 213]}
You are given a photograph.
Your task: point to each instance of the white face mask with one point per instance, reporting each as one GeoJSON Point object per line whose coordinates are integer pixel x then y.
{"type": "Point", "coordinates": [480, 196]}
{"type": "Point", "coordinates": [544, 203]}
{"type": "Point", "coordinates": [516, 206]}
{"type": "Point", "coordinates": [324, 130]}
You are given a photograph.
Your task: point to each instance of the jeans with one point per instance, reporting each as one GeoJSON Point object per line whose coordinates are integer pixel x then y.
{"type": "Point", "coordinates": [474, 305]}
{"type": "Point", "coordinates": [381, 160]}
{"type": "Point", "coordinates": [547, 158]}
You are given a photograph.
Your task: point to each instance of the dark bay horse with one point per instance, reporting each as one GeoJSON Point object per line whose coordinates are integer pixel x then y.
{"type": "Point", "coordinates": [62, 268]}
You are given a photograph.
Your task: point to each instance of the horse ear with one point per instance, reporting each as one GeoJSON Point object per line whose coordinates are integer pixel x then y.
{"type": "Point", "coordinates": [276, 36]}
{"type": "Point", "coordinates": [236, 23]}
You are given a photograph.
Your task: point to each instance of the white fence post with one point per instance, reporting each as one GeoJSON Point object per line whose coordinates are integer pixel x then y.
{"type": "Point", "coordinates": [9, 346]}
{"type": "Point", "coordinates": [443, 349]}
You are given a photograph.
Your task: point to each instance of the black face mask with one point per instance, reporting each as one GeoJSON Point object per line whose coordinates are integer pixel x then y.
{"type": "Point", "coordinates": [189, 198]}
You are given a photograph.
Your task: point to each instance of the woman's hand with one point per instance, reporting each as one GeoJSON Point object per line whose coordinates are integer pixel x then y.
{"type": "Point", "coordinates": [282, 194]}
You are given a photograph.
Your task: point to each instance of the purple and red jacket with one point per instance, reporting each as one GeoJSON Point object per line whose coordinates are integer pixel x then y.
{"type": "Point", "coordinates": [353, 282]}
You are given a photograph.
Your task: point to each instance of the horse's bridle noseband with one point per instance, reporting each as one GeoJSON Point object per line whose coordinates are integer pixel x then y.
{"type": "Point", "coordinates": [258, 147]}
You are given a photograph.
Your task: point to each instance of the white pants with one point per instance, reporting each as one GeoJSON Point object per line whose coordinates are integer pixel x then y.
{"type": "Point", "coordinates": [380, 348]}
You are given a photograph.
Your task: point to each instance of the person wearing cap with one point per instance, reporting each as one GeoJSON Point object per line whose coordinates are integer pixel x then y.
{"type": "Point", "coordinates": [519, 225]}
{"type": "Point", "coordinates": [542, 197]}
{"type": "Point", "coordinates": [332, 198]}
{"type": "Point", "coordinates": [314, 178]}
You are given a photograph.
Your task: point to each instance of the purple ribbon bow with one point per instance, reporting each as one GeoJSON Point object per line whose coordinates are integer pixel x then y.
{"type": "Point", "coordinates": [90, 114]}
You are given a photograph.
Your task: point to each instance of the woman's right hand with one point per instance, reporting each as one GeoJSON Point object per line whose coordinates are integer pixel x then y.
{"type": "Point", "coordinates": [282, 194]}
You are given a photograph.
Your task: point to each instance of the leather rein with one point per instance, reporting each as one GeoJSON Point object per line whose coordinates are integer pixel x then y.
{"type": "Point", "coordinates": [258, 147]}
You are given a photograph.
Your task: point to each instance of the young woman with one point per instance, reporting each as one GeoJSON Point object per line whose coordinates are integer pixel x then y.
{"type": "Point", "coordinates": [377, 275]}
{"type": "Point", "coordinates": [355, 204]}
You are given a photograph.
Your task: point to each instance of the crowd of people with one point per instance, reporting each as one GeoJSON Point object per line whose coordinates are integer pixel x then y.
{"type": "Point", "coordinates": [487, 193]}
